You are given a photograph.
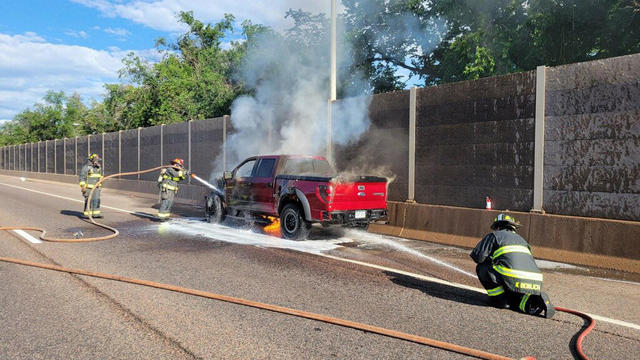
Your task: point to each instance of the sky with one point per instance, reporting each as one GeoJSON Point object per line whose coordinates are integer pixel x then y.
{"type": "Point", "coordinates": [78, 45]}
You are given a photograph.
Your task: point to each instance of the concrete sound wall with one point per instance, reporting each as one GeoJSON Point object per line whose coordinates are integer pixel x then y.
{"type": "Point", "coordinates": [592, 139]}
{"type": "Point", "coordinates": [475, 139]}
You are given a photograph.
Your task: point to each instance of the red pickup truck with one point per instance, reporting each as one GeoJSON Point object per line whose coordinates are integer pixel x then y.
{"type": "Point", "coordinates": [299, 190]}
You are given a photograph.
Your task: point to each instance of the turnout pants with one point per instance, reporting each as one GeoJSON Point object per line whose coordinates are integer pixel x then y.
{"type": "Point", "coordinates": [166, 202]}
{"type": "Point", "coordinates": [94, 209]}
{"type": "Point", "coordinates": [500, 296]}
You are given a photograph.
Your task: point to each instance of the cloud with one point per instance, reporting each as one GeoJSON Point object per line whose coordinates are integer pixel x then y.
{"type": "Point", "coordinates": [161, 14]}
{"type": "Point", "coordinates": [117, 31]}
{"type": "Point", "coordinates": [30, 66]}
{"type": "Point", "coordinates": [77, 34]}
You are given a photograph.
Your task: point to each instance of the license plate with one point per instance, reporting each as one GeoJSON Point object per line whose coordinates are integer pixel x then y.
{"type": "Point", "coordinates": [361, 214]}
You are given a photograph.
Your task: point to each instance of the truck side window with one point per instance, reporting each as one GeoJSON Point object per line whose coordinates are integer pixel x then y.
{"type": "Point", "coordinates": [265, 168]}
{"type": "Point", "coordinates": [246, 169]}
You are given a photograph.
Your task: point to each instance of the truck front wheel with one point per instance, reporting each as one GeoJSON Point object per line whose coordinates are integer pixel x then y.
{"type": "Point", "coordinates": [214, 211]}
{"type": "Point", "coordinates": [292, 223]}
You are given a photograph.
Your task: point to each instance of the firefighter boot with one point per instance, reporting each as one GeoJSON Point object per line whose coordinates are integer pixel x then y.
{"type": "Point", "coordinates": [500, 301]}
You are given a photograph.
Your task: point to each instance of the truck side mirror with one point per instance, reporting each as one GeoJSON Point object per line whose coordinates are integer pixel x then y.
{"type": "Point", "coordinates": [227, 175]}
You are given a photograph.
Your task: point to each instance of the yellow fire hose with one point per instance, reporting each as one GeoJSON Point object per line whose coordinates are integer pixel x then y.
{"type": "Point", "coordinates": [275, 308]}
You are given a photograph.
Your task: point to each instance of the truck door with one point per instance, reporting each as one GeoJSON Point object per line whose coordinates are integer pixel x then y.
{"type": "Point", "coordinates": [262, 189]}
{"type": "Point", "coordinates": [239, 189]}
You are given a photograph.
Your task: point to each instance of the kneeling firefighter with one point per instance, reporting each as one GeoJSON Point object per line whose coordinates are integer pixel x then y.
{"type": "Point", "coordinates": [508, 271]}
{"type": "Point", "coordinates": [90, 174]}
{"type": "Point", "coordinates": [168, 184]}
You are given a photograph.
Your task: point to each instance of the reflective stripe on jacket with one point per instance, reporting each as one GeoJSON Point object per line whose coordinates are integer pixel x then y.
{"type": "Point", "coordinates": [168, 180]}
{"type": "Point", "coordinates": [510, 256]}
{"type": "Point", "coordinates": [90, 175]}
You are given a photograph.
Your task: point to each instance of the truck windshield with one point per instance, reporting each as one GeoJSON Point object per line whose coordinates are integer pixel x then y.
{"type": "Point", "coordinates": [308, 167]}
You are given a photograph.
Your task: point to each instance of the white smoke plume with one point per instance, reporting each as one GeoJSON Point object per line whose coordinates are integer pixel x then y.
{"type": "Point", "coordinates": [287, 112]}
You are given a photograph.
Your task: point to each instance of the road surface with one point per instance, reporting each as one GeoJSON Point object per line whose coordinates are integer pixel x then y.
{"type": "Point", "coordinates": [411, 286]}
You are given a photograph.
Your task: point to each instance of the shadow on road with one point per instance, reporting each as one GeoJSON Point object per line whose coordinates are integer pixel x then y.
{"type": "Point", "coordinates": [77, 214]}
{"type": "Point", "coordinates": [439, 290]}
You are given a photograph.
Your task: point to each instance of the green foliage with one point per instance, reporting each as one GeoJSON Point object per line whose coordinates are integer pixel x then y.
{"type": "Point", "coordinates": [438, 41]}
{"type": "Point", "coordinates": [59, 116]}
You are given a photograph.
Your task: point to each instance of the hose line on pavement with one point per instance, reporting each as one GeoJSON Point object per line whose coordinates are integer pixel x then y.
{"type": "Point", "coordinates": [275, 308]}
{"type": "Point", "coordinates": [114, 231]}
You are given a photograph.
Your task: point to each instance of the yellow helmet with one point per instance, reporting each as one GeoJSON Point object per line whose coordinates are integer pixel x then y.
{"type": "Point", "coordinates": [94, 157]}
{"type": "Point", "coordinates": [505, 221]}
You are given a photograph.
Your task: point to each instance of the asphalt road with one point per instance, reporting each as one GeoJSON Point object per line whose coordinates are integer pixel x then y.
{"type": "Point", "coordinates": [346, 274]}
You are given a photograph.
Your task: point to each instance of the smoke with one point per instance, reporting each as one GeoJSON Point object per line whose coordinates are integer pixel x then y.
{"type": "Point", "coordinates": [288, 108]}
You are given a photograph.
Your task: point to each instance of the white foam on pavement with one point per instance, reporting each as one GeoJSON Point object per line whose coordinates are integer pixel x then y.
{"type": "Point", "coordinates": [245, 237]}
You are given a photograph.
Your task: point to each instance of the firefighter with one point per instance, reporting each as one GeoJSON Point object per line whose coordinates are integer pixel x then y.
{"type": "Point", "coordinates": [508, 271]}
{"type": "Point", "coordinates": [168, 184]}
{"type": "Point", "coordinates": [90, 174]}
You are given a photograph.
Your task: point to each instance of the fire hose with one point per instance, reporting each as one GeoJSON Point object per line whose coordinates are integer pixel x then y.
{"type": "Point", "coordinates": [269, 307]}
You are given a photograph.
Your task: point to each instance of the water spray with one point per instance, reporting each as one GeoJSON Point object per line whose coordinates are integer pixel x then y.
{"type": "Point", "coordinates": [207, 184]}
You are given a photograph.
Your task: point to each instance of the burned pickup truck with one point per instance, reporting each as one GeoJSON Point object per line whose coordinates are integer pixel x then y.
{"type": "Point", "coordinates": [297, 191]}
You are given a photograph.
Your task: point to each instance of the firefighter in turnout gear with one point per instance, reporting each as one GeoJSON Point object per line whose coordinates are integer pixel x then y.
{"type": "Point", "coordinates": [168, 184]}
{"type": "Point", "coordinates": [90, 174]}
{"type": "Point", "coordinates": [508, 271]}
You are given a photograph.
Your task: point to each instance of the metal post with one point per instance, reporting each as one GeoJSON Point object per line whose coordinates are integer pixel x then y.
{"type": "Point", "coordinates": [139, 152]}
{"type": "Point", "coordinates": [88, 144]}
{"type": "Point", "coordinates": [189, 146]}
{"type": "Point", "coordinates": [64, 158]}
{"type": "Point", "coordinates": [333, 51]}
{"type": "Point", "coordinates": [412, 144]}
{"type": "Point", "coordinates": [39, 156]}
{"type": "Point", "coordinates": [329, 132]}
{"type": "Point", "coordinates": [538, 160]}
{"type": "Point", "coordinates": [104, 163]}
{"type": "Point", "coordinates": [119, 151]}
{"type": "Point", "coordinates": [224, 142]}
{"type": "Point", "coordinates": [31, 160]}
{"type": "Point", "coordinates": [161, 143]}
{"type": "Point", "coordinates": [46, 156]}
{"type": "Point", "coordinates": [55, 156]}
{"type": "Point", "coordinates": [75, 161]}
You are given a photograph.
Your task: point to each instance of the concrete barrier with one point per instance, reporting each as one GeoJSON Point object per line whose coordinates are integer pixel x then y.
{"type": "Point", "coordinates": [603, 243]}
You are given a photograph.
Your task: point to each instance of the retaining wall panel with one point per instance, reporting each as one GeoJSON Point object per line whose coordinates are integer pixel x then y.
{"type": "Point", "coordinates": [129, 139]}
{"type": "Point", "coordinates": [150, 152]}
{"type": "Point", "coordinates": [110, 152]}
{"type": "Point", "coordinates": [70, 156]}
{"type": "Point", "coordinates": [176, 143]}
{"type": "Point", "coordinates": [206, 148]}
{"type": "Point", "coordinates": [83, 152]}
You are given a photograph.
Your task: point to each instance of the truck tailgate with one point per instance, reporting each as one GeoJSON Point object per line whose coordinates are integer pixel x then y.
{"type": "Point", "coordinates": [360, 195]}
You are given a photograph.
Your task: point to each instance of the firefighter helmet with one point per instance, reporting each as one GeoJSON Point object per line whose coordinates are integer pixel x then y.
{"type": "Point", "coordinates": [94, 157]}
{"type": "Point", "coordinates": [177, 161]}
{"type": "Point", "coordinates": [505, 221]}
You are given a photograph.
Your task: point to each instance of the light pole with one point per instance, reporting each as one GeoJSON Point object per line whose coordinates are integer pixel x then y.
{"type": "Point", "coordinates": [332, 96]}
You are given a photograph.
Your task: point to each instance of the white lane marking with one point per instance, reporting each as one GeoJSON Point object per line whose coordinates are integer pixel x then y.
{"type": "Point", "coordinates": [28, 236]}
{"type": "Point", "coordinates": [379, 267]}
{"type": "Point", "coordinates": [80, 201]}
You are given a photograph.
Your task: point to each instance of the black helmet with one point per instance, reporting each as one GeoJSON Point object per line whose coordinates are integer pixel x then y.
{"type": "Point", "coordinates": [503, 221]}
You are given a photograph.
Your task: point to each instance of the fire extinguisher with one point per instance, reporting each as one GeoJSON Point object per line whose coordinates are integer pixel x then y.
{"type": "Point", "coordinates": [489, 203]}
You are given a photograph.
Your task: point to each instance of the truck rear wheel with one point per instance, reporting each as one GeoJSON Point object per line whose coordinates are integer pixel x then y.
{"type": "Point", "coordinates": [214, 211]}
{"type": "Point", "coordinates": [292, 223]}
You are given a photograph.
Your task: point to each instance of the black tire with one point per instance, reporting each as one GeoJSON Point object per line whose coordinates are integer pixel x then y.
{"type": "Point", "coordinates": [214, 211]}
{"type": "Point", "coordinates": [292, 223]}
